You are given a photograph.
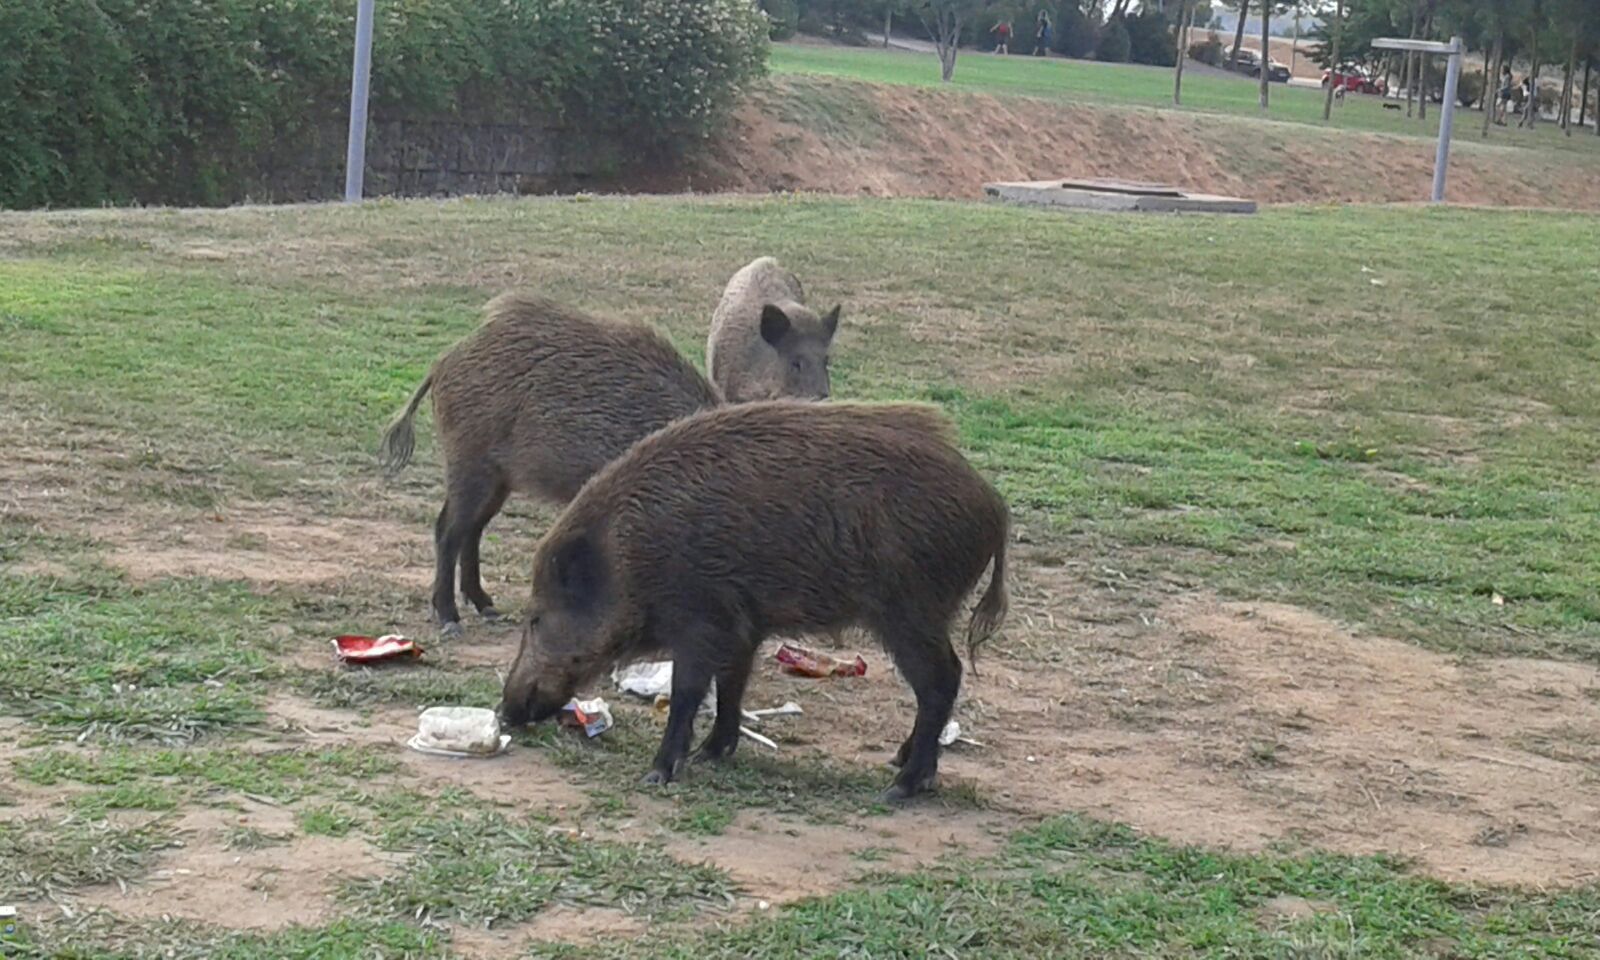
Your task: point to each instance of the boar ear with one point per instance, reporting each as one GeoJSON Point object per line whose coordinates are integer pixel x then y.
{"type": "Point", "coordinates": [578, 569]}
{"type": "Point", "coordinates": [830, 322]}
{"type": "Point", "coordinates": [774, 324]}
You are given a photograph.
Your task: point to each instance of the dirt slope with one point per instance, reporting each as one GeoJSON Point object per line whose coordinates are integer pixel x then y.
{"type": "Point", "coordinates": [833, 136]}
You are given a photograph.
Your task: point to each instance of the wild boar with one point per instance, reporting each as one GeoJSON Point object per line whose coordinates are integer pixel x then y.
{"type": "Point", "coordinates": [765, 343]}
{"type": "Point", "coordinates": [536, 400]}
{"type": "Point", "coordinates": [751, 520]}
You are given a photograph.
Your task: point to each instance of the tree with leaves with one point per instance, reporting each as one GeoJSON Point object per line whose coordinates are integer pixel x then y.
{"type": "Point", "coordinates": [944, 20]}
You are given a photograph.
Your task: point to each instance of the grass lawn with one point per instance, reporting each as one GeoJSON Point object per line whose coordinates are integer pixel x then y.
{"type": "Point", "coordinates": [1087, 81]}
{"type": "Point", "coordinates": [1354, 410]}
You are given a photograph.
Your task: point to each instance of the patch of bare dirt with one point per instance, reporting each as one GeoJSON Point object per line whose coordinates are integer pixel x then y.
{"type": "Point", "coordinates": [262, 545]}
{"type": "Point", "coordinates": [1239, 725]}
{"type": "Point", "coordinates": [897, 141]}
{"type": "Point", "coordinates": [779, 859]}
{"type": "Point", "coordinates": [520, 778]}
{"type": "Point", "coordinates": [266, 889]}
{"type": "Point", "coordinates": [1228, 724]}
{"type": "Point", "coordinates": [304, 722]}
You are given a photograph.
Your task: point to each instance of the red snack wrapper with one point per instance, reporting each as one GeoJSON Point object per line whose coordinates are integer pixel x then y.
{"type": "Point", "coordinates": [809, 663]}
{"type": "Point", "coordinates": [358, 649]}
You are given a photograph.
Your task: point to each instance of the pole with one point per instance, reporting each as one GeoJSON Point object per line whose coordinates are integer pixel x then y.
{"type": "Point", "coordinates": [1452, 77]}
{"type": "Point", "coordinates": [1185, 22]}
{"type": "Point", "coordinates": [1333, 64]}
{"type": "Point", "coordinates": [1294, 48]}
{"type": "Point", "coordinates": [355, 156]}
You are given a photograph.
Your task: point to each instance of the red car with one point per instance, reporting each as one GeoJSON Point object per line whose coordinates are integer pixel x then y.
{"type": "Point", "coordinates": [1355, 80]}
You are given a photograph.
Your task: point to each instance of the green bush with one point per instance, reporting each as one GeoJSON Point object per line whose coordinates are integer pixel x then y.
{"type": "Point", "coordinates": [1114, 45]}
{"type": "Point", "coordinates": [1150, 40]}
{"type": "Point", "coordinates": [1075, 34]}
{"type": "Point", "coordinates": [1209, 51]}
{"type": "Point", "coordinates": [784, 16]}
{"type": "Point", "coordinates": [169, 100]}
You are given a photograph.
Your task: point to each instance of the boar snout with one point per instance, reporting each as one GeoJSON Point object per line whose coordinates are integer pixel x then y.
{"type": "Point", "coordinates": [534, 706]}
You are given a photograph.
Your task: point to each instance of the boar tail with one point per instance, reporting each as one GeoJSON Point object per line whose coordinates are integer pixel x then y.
{"type": "Point", "coordinates": [991, 609]}
{"type": "Point", "coordinates": [400, 438]}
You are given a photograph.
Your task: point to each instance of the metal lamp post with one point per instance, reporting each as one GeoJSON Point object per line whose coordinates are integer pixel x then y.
{"type": "Point", "coordinates": [355, 154]}
{"type": "Point", "coordinates": [1452, 78]}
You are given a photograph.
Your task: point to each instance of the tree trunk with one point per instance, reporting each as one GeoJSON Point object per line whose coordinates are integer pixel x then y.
{"type": "Point", "coordinates": [1185, 23]}
{"type": "Point", "coordinates": [1333, 61]}
{"type": "Point", "coordinates": [1487, 76]}
{"type": "Point", "coordinates": [1238, 33]}
{"type": "Point", "coordinates": [1566, 88]}
{"type": "Point", "coordinates": [1405, 66]}
{"type": "Point", "coordinates": [945, 31]}
{"type": "Point", "coordinates": [1422, 86]}
{"type": "Point", "coordinates": [1422, 71]}
{"type": "Point", "coordinates": [1266, 26]}
{"type": "Point", "coordinates": [1583, 106]}
{"type": "Point", "coordinates": [888, 23]}
{"type": "Point", "coordinates": [1530, 110]}
{"type": "Point", "coordinates": [1491, 88]}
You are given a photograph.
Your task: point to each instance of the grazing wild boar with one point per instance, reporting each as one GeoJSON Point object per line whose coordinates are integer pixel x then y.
{"type": "Point", "coordinates": [536, 401]}
{"type": "Point", "coordinates": [765, 343]}
{"type": "Point", "coordinates": [752, 520]}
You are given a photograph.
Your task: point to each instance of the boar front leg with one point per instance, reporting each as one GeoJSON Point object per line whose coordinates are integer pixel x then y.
{"type": "Point", "coordinates": [732, 677]}
{"type": "Point", "coordinates": [690, 679]}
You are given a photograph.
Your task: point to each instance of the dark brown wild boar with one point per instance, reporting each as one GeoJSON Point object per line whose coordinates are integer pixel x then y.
{"type": "Point", "coordinates": [757, 519]}
{"type": "Point", "coordinates": [536, 400]}
{"type": "Point", "coordinates": [765, 343]}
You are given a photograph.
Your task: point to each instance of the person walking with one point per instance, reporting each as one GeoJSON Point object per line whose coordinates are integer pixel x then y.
{"type": "Point", "coordinates": [1041, 35]}
{"type": "Point", "coordinates": [1002, 37]}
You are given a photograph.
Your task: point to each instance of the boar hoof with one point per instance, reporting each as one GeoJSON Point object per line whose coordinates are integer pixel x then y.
{"type": "Point", "coordinates": [490, 614]}
{"type": "Point", "coordinates": [900, 792]}
{"type": "Point", "coordinates": [713, 753]}
{"type": "Point", "coordinates": [451, 630]}
{"type": "Point", "coordinates": [896, 795]}
{"type": "Point", "coordinates": [655, 778]}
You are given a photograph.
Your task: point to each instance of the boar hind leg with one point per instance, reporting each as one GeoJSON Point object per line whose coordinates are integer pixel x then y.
{"type": "Point", "coordinates": [471, 572]}
{"type": "Point", "coordinates": [465, 512]}
{"type": "Point", "coordinates": [933, 670]}
{"type": "Point", "coordinates": [732, 677]}
{"type": "Point", "coordinates": [690, 679]}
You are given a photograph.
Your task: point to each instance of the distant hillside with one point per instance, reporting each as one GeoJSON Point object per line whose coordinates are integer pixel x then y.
{"type": "Point", "coordinates": [825, 135]}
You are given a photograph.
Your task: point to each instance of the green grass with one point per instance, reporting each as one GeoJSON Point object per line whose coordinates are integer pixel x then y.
{"type": "Point", "coordinates": [799, 783]}
{"type": "Point", "coordinates": [41, 856]}
{"type": "Point", "coordinates": [327, 821]}
{"type": "Point", "coordinates": [105, 937]}
{"type": "Point", "coordinates": [1233, 400]}
{"type": "Point", "coordinates": [1079, 888]}
{"type": "Point", "coordinates": [280, 776]}
{"type": "Point", "coordinates": [96, 659]}
{"type": "Point", "coordinates": [487, 869]}
{"type": "Point", "coordinates": [1086, 81]}
{"type": "Point", "coordinates": [1233, 405]}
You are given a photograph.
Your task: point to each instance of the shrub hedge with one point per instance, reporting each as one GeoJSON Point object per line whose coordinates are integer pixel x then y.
{"type": "Point", "coordinates": [107, 101]}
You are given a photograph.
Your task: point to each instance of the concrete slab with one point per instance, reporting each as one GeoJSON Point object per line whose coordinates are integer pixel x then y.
{"type": "Point", "coordinates": [1114, 195]}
